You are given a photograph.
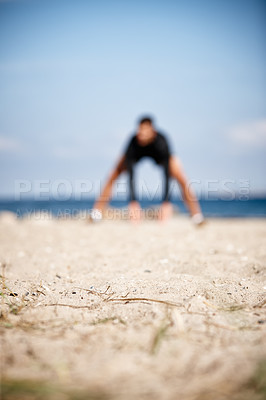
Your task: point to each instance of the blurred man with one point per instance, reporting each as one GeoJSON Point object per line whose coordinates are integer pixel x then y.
{"type": "Point", "coordinates": [148, 142]}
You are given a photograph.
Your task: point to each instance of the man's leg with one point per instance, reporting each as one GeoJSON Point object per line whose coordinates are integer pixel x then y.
{"type": "Point", "coordinates": [134, 208]}
{"type": "Point", "coordinates": [176, 171]}
{"type": "Point", "coordinates": [166, 211]}
{"type": "Point", "coordinates": [105, 196]}
{"type": "Point", "coordinates": [135, 212]}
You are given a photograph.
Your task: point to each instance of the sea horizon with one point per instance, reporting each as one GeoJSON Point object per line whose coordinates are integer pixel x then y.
{"type": "Point", "coordinates": [246, 207]}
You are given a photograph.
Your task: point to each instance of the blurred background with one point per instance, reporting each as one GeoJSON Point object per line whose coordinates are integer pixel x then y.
{"type": "Point", "coordinates": [76, 75]}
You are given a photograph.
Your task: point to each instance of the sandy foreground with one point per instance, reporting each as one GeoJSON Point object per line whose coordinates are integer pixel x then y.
{"type": "Point", "coordinates": [115, 311]}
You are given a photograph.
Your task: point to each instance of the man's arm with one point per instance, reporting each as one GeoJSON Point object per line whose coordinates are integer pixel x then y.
{"type": "Point", "coordinates": [135, 212]}
{"type": "Point", "coordinates": [105, 196]}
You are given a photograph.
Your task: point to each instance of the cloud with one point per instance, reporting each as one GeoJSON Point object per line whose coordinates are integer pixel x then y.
{"type": "Point", "coordinates": [249, 135]}
{"type": "Point", "coordinates": [9, 145]}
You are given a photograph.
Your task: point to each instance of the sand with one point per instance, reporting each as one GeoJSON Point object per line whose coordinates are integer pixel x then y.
{"type": "Point", "coordinates": [115, 311]}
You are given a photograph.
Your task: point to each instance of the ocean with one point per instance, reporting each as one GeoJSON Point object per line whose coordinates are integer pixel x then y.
{"type": "Point", "coordinates": [248, 208]}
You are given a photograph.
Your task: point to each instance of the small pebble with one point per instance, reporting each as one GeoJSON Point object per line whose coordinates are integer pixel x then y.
{"type": "Point", "coordinates": [147, 270]}
{"type": "Point", "coordinates": [74, 292]}
{"type": "Point", "coordinates": [58, 276]}
{"type": "Point", "coordinates": [261, 321]}
{"type": "Point", "coordinates": [212, 251]}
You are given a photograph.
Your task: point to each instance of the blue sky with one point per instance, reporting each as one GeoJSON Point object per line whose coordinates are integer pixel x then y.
{"type": "Point", "coordinates": [76, 75]}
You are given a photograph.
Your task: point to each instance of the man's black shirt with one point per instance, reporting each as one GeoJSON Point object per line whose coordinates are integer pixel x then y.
{"type": "Point", "coordinates": [158, 150]}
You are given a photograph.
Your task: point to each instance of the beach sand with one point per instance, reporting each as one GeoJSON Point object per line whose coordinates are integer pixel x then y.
{"type": "Point", "coordinates": [115, 311]}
